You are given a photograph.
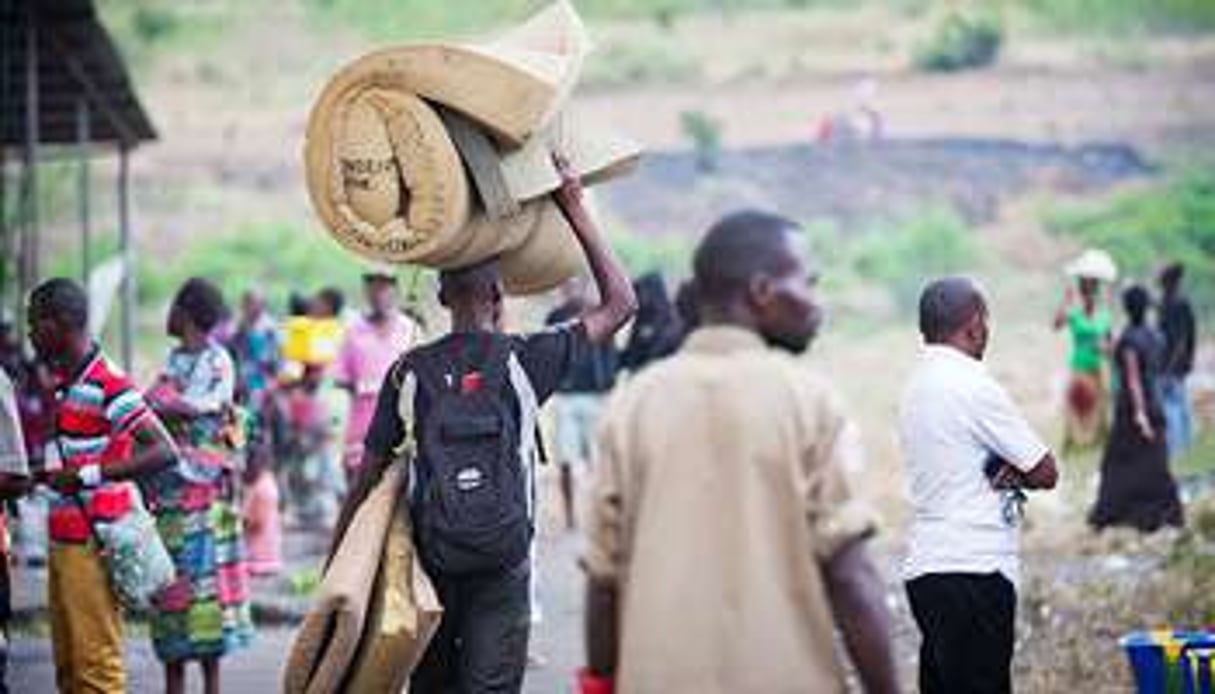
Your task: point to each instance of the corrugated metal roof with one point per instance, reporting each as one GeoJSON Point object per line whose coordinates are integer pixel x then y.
{"type": "Point", "coordinates": [76, 58]}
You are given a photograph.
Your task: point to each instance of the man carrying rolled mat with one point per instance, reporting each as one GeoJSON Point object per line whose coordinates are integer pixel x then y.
{"type": "Point", "coordinates": [466, 404]}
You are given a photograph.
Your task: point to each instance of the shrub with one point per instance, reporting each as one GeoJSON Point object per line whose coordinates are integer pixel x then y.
{"type": "Point", "coordinates": [1123, 16]}
{"type": "Point", "coordinates": [961, 42]}
{"type": "Point", "coordinates": [1143, 229]}
{"type": "Point", "coordinates": [705, 132]}
{"type": "Point", "coordinates": [153, 24]}
{"type": "Point", "coordinates": [641, 59]}
{"type": "Point", "coordinates": [275, 257]}
{"type": "Point", "coordinates": [904, 254]}
{"type": "Point", "coordinates": [671, 254]}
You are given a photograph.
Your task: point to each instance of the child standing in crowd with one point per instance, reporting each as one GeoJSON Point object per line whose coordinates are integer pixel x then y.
{"type": "Point", "coordinates": [263, 523]}
{"type": "Point", "coordinates": [204, 614]}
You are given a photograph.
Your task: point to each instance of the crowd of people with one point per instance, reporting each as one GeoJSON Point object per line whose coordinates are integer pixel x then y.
{"type": "Point", "coordinates": [244, 406]}
{"type": "Point", "coordinates": [1147, 421]}
{"type": "Point", "coordinates": [719, 457]}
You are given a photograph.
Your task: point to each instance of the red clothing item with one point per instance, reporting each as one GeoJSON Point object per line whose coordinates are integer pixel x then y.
{"type": "Point", "coordinates": [96, 411]}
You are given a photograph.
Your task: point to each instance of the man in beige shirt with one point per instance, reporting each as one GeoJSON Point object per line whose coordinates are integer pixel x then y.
{"type": "Point", "coordinates": [725, 545]}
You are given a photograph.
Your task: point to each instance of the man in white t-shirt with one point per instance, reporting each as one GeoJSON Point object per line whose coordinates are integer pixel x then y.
{"type": "Point", "coordinates": [969, 455]}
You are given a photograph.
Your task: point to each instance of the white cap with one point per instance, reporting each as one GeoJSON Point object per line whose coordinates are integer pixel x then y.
{"type": "Point", "coordinates": [1093, 263]}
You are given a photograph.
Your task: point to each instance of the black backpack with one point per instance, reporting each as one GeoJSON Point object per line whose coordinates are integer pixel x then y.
{"type": "Point", "coordinates": [470, 506]}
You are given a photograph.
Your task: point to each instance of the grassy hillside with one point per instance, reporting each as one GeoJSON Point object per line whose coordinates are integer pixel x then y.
{"type": "Point", "coordinates": [396, 18]}
{"type": "Point", "coordinates": [142, 23]}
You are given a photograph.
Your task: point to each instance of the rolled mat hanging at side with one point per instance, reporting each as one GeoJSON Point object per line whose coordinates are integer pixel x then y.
{"type": "Point", "coordinates": [403, 616]}
{"type": "Point", "coordinates": [389, 175]}
{"type": "Point", "coordinates": [327, 643]}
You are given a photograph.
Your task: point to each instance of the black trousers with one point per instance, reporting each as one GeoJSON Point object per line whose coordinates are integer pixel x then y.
{"type": "Point", "coordinates": [968, 626]}
{"type": "Point", "coordinates": [481, 644]}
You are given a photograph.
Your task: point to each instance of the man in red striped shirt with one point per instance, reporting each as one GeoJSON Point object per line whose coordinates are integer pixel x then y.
{"type": "Point", "coordinates": [105, 437]}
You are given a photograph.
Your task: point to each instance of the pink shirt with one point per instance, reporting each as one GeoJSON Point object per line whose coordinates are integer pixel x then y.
{"type": "Point", "coordinates": [263, 526]}
{"type": "Point", "coordinates": [367, 352]}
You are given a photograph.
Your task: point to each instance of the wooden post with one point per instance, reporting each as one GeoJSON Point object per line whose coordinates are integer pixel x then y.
{"type": "Point", "coordinates": [128, 257]}
{"type": "Point", "coordinates": [8, 245]}
{"type": "Point", "coordinates": [28, 274]}
{"type": "Point", "coordinates": [7, 248]}
{"type": "Point", "coordinates": [83, 142]}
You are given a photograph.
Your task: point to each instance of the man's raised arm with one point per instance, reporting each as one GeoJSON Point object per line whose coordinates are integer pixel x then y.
{"type": "Point", "coordinates": [617, 303]}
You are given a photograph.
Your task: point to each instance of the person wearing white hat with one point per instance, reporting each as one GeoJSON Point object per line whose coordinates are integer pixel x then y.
{"type": "Point", "coordinates": [1087, 319]}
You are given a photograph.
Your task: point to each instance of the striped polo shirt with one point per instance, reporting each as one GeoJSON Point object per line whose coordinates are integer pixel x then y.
{"type": "Point", "coordinates": [96, 412]}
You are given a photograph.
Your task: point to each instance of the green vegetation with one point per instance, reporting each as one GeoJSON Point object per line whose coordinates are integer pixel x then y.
{"type": "Point", "coordinates": [306, 259]}
{"type": "Point", "coordinates": [303, 259]}
{"type": "Point", "coordinates": [58, 193]}
{"type": "Point", "coordinates": [1143, 229]}
{"type": "Point", "coordinates": [1122, 16]}
{"type": "Point", "coordinates": [643, 59]}
{"type": "Point", "coordinates": [672, 255]}
{"type": "Point", "coordinates": [398, 20]}
{"type": "Point", "coordinates": [1200, 459]}
{"type": "Point", "coordinates": [705, 133]}
{"type": "Point", "coordinates": [411, 19]}
{"type": "Point", "coordinates": [146, 29]}
{"type": "Point", "coordinates": [277, 258]}
{"type": "Point", "coordinates": [961, 42]}
{"type": "Point", "coordinates": [304, 582]}
{"type": "Point", "coordinates": [899, 255]}
{"type": "Point", "coordinates": [1191, 566]}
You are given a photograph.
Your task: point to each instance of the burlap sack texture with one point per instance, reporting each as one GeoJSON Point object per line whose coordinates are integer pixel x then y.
{"type": "Point", "coordinates": [391, 184]}
{"type": "Point", "coordinates": [328, 642]}
{"type": "Point", "coordinates": [403, 616]}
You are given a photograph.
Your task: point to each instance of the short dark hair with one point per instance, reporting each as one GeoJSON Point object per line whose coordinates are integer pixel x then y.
{"type": "Point", "coordinates": [736, 248]}
{"type": "Point", "coordinates": [1172, 274]}
{"type": "Point", "coordinates": [379, 276]}
{"type": "Point", "coordinates": [946, 304]}
{"type": "Point", "coordinates": [297, 303]}
{"type": "Point", "coordinates": [202, 303]}
{"type": "Point", "coordinates": [334, 297]}
{"type": "Point", "coordinates": [479, 279]}
{"type": "Point", "coordinates": [62, 300]}
{"type": "Point", "coordinates": [1135, 300]}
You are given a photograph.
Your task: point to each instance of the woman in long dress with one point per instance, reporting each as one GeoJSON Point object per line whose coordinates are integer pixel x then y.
{"type": "Point", "coordinates": [205, 613]}
{"type": "Point", "coordinates": [1137, 489]}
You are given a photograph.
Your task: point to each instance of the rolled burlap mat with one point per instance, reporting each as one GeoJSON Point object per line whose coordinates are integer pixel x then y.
{"type": "Point", "coordinates": [327, 643]}
{"type": "Point", "coordinates": [441, 154]}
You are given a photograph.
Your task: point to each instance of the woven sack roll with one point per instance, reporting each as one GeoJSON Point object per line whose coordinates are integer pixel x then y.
{"type": "Point", "coordinates": [389, 183]}
{"type": "Point", "coordinates": [328, 641]}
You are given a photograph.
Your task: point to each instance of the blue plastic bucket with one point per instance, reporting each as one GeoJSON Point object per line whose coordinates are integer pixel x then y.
{"type": "Point", "coordinates": [1171, 662]}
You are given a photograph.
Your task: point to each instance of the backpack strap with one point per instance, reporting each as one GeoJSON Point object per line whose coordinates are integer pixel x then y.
{"type": "Point", "coordinates": [406, 380]}
{"type": "Point", "coordinates": [425, 369]}
{"type": "Point", "coordinates": [495, 368]}
{"type": "Point", "coordinates": [530, 447]}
